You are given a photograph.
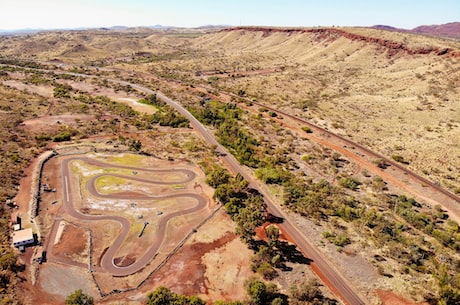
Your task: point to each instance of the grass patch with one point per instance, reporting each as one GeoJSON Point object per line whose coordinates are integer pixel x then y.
{"type": "Point", "coordinates": [126, 159]}
{"type": "Point", "coordinates": [106, 183]}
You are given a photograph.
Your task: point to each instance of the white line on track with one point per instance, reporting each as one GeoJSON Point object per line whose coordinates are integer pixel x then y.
{"type": "Point", "coordinates": [66, 189]}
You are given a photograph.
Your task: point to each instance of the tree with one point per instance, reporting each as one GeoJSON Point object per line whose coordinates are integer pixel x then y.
{"type": "Point", "coordinates": [160, 296]}
{"type": "Point", "coordinates": [350, 183]}
{"type": "Point", "coordinates": [256, 290]}
{"type": "Point", "coordinates": [239, 183]}
{"type": "Point", "coordinates": [449, 286]}
{"type": "Point", "coordinates": [79, 298]}
{"type": "Point", "coordinates": [260, 293]}
{"type": "Point", "coordinates": [250, 217]}
{"type": "Point", "coordinates": [267, 271]}
{"type": "Point", "coordinates": [7, 260]}
{"type": "Point", "coordinates": [273, 234]}
{"type": "Point", "coordinates": [217, 177]}
{"type": "Point", "coordinates": [272, 174]}
{"type": "Point", "coordinates": [307, 292]}
{"type": "Point", "coordinates": [164, 296]}
{"type": "Point", "coordinates": [135, 145]}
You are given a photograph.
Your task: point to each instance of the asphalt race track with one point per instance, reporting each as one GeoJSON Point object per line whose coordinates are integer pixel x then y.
{"type": "Point", "coordinates": [107, 260]}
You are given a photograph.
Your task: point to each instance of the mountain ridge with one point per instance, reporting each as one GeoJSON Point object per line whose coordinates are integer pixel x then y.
{"type": "Point", "coordinates": [446, 30]}
{"type": "Point", "coordinates": [450, 30]}
{"type": "Point", "coordinates": [330, 34]}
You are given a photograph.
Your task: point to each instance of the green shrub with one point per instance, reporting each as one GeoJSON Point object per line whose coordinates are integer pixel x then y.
{"type": "Point", "coordinates": [62, 91]}
{"type": "Point", "coordinates": [267, 271]}
{"type": "Point", "coordinates": [350, 183]}
{"type": "Point", "coordinates": [399, 159]}
{"type": "Point", "coordinates": [61, 137]}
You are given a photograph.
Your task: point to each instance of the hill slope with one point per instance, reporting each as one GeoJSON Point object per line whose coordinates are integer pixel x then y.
{"type": "Point", "coordinates": [447, 30]}
{"type": "Point", "coordinates": [395, 92]}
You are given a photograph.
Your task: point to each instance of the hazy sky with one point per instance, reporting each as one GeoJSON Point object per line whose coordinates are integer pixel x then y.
{"type": "Point", "coordinates": [19, 14]}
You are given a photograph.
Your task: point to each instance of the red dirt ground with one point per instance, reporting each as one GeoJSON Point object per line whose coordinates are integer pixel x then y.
{"type": "Point", "coordinates": [184, 273]}
{"type": "Point", "coordinates": [188, 278]}
{"type": "Point", "coordinates": [390, 298]}
{"type": "Point", "coordinates": [262, 235]}
{"type": "Point", "coordinates": [73, 241]}
{"type": "Point", "coordinates": [176, 274]}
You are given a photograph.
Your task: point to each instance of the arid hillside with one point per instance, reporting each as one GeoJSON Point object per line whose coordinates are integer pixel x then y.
{"type": "Point", "coordinates": [394, 92]}
{"type": "Point", "coordinates": [399, 96]}
{"type": "Point", "coordinates": [451, 29]}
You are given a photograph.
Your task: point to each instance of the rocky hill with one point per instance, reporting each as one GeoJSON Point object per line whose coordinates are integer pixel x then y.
{"type": "Point", "coordinates": [395, 92]}
{"type": "Point", "coordinates": [448, 30]}
{"type": "Point", "coordinates": [444, 30]}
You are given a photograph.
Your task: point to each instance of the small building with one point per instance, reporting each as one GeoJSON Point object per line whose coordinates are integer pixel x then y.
{"type": "Point", "coordinates": [23, 238]}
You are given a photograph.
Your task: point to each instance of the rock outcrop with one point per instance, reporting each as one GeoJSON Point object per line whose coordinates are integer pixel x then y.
{"type": "Point", "coordinates": [330, 34]}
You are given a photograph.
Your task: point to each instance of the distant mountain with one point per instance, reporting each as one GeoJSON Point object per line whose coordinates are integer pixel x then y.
{"type": "Point", "coordinates": [444, 30]}
{"type": "Point", "coordinates": [34, 31]}
{"type": "Point", "coordinates": [18, 32]}
{"type": "Point", "coordinates": [451, 30]}
{"type": "Point", "coordinates": [385, 27]}
{"type": "Point", "coordinates": [159, 26]}
{"type": "Point", "coordinates": [118, 28]}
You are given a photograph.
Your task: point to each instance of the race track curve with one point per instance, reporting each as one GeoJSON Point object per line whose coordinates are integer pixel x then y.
{"type": "Point", "coordinates": [107, 260]}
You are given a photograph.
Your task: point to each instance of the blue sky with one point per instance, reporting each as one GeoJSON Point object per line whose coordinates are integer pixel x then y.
{"type": "Point", "coordinates": [45, 14]}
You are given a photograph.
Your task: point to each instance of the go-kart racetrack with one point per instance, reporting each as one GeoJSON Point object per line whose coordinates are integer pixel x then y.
{"type": "Point", "coordinates": [107, 260]}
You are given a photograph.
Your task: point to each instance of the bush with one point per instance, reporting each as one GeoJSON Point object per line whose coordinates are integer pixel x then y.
{"type": "Point", "coordinates": [381, 163]}
{"type": "Point", "coordinates": [307, 157]}
{"type": "Point", "coordinates": [350, 183]}
{"type": "Point", "coordinates": [217, 176]}
{"type": "Point", "coordinates": [399, 159]}
{"type": "Point", "coordinates": [135, 145]}
{"type": "Point", "coordinates": [306, 292]}
{"type": "Point", "coordinates": [339, 240]}
{"type": "Point", "coordinates": [42, 137]}
{"type": "Point", "coordinates": [62, 91]}
{"type": "Point", "coordinates": [164, 296]}
{"type": "Point", "coordinates": [63, 136]}
{"type": "Point", "coordinates": [79, 298]}
{"type": "Point", "coordinates": [267, 271]}
{"type": "Point", "coordinates": [271, 175]}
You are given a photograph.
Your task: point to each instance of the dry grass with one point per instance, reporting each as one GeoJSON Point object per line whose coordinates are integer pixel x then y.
{"type": "Point", "coordinates": [403, 104]}
{"type": "Point", "coordinates": [394, 103]}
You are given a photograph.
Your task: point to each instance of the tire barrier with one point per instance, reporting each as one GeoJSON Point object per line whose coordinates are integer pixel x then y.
{"type": "Point", "coordinates": [35, 188]}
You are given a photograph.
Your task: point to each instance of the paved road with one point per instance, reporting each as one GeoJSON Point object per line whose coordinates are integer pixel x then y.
{"type": "Point", "coordinates": [107, 260]}
{"type": "Point", "coordinates": [331, 277]}
{"type": "Point", "coordinates": [325, 270]}
{"type": "Point", "coordinates": [328, 274]}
